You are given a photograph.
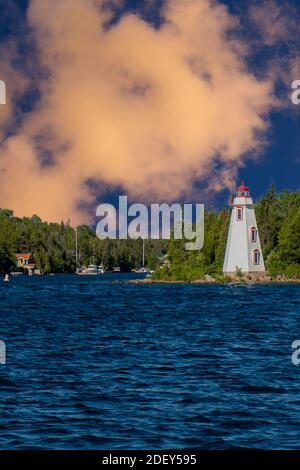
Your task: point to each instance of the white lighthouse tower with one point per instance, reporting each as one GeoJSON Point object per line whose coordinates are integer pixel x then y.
{"type": "Point", "coordinates": [243, 250]}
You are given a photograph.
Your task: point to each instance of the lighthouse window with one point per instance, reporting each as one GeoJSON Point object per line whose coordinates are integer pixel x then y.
{"type": "Point", "coordinates": [253, 234]}
{"type": "Point", "coordinates": [256, 257]}
{"type": "Point", "coordinates": [239, 214]}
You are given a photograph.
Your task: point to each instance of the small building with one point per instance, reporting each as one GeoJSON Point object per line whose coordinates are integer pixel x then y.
{"type": "Point", "coordinates": [26, 262]}
{"type": "Point", "coordinates": [164, 261]}
{"type": "Point", "coordinates": [243, 250]}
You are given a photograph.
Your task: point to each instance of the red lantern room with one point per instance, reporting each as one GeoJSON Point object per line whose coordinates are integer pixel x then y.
{"type": "Point", "coordinates": [242, 190]}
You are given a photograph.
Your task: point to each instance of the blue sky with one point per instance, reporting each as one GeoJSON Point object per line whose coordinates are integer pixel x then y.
{"type": "Point", "coordinates": [280, 159]}
{"type": "Point", "coordinates": [280, 162]}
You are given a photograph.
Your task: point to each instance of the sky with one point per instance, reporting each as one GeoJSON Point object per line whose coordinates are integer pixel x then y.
{"type": "Point", "coordinates": [161, 100]}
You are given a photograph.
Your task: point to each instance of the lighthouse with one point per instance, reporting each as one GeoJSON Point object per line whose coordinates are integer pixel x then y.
{"type": "Point", "coordinates": [243, 250]}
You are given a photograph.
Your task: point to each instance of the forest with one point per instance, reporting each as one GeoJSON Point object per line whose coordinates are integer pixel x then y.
{"type": "Point", "coordinates": [53, 244]}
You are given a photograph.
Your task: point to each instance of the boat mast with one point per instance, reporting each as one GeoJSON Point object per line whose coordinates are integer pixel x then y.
{"type": "Point", "coordinates": [76, 249]}
{"type": "Point", "coordinates": [143, 257]}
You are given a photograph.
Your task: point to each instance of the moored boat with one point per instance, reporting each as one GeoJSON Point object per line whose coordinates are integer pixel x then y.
{"type": "Point", "coordinates": [92, 270]}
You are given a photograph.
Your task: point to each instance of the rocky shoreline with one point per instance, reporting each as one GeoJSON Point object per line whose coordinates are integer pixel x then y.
{"type": "Point", "coordinates": [245, 279]}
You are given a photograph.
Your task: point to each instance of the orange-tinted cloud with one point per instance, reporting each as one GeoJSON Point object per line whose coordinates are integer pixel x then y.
{"type": "Point", "coordinates": [148, 109]}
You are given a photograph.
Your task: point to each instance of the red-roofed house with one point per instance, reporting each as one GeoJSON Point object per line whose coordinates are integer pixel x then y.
{"type": "Point", "coordinates": [25, 261]}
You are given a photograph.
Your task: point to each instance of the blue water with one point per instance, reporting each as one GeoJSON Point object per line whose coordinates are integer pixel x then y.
{"type": "Point", "coordinates": [95, 364]}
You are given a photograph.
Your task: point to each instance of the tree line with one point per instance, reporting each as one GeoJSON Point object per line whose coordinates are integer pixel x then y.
{"type": "Point", "coordinates": [53, 246]}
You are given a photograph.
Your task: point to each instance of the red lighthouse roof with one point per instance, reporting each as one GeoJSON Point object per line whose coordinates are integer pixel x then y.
{"type": "Point", "coordinates": [242, 187]}
{"type": "Point", "coordinates": [243, 190]}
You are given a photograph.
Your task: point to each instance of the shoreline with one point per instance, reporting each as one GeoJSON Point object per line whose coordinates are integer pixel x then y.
{"type": "Point", "coordinates": [207, 282]}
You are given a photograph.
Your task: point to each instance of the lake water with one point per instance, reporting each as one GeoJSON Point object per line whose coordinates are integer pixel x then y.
{"type": "Point", "coordinates": [94, 364]}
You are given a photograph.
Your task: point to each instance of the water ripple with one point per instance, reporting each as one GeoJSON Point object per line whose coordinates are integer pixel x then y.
{"type": "Point", "coordinates": [94, 364]}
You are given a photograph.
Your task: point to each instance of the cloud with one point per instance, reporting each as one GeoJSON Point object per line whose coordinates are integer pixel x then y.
{"type": "Point", "coordinates": [275, 21]}
{"type": "Point", "coordinates": [275, 27]}
{"type": "Point", "coordinates": [146, 108]}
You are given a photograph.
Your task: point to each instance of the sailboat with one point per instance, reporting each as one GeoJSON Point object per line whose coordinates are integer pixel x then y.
{"type": "Point", "coordinates": [92, 269]}
{"type": "Point", "coordinates": [78, 270]}
{"type": "Point", "coordinates": [143, 269]}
